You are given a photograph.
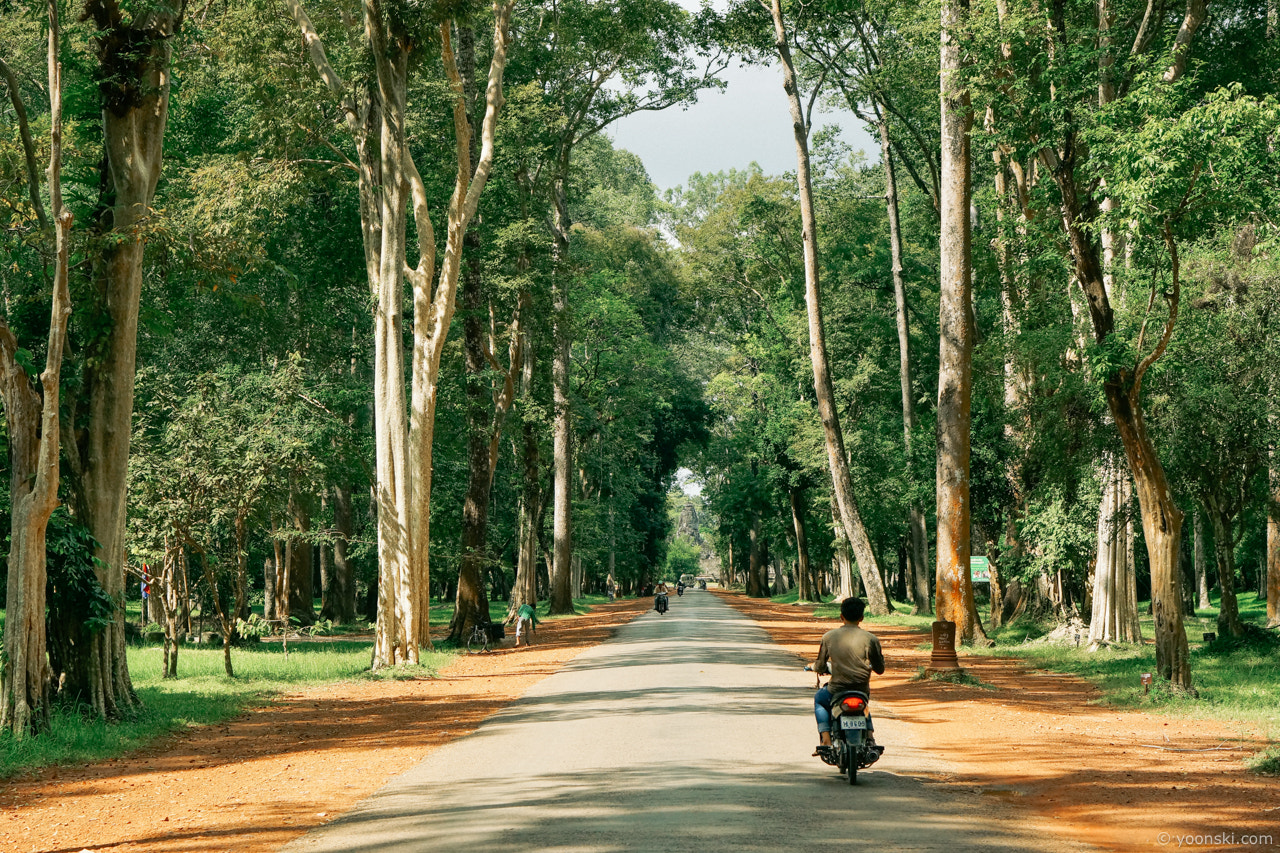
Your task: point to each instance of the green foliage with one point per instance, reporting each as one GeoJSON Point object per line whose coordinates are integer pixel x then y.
{"type": "Point", "coordinates": [73, 592]}
{"type": "Point", "coordinates": [1065, 533]}
{"type": "Point", "coordinates": [682, 558]}
{"type": "Point", "coordinates": [254, 626]}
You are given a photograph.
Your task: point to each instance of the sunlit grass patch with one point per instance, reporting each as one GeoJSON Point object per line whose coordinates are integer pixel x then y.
{"type": "Point", "coordinates": [1266, 762]}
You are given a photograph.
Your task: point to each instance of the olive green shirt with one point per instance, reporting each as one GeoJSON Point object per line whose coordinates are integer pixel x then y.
{"type": "Point", "coordinates": [849, 654]}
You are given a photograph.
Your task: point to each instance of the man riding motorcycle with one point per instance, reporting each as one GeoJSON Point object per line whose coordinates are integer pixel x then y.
{"type": "Point", "coordinates": [849, 655]}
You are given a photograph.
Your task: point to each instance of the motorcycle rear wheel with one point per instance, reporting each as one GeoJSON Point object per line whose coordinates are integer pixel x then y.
{"type": "Point", "coordinates": [853, 770]}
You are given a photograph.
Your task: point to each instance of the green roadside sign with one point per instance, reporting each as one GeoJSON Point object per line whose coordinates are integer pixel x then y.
{"type": "Point", "coordinates": [980, 569]}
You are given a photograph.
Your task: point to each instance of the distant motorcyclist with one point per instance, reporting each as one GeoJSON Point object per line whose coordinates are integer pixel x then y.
{"type": "Point", "coordinates": [660, 600]}
{"type": "Point", "coordinates": [679, 588]}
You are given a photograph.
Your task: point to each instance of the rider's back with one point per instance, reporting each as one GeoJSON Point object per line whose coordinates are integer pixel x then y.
{"type": "Point", "coordinates": [850, 654]}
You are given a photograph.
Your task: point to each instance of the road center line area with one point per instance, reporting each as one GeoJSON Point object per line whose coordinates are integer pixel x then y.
{"type": "Point", "coordinates": [689, 731]}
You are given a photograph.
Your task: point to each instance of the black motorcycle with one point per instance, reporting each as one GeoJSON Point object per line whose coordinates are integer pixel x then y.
{"type": "Point", "coordinates": [852, 745]}
{"type": "Point", "coordinates": [660, 603]}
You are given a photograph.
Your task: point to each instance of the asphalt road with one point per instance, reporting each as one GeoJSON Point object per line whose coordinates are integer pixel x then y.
{"type": "Point", "coordinates": [685, 732]}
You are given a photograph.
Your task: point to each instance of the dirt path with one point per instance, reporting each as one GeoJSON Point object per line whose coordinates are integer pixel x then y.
{"type": "Point", "coordinates": [1109, 778]}
{"type": "Point", "coordinates": [252, 784]}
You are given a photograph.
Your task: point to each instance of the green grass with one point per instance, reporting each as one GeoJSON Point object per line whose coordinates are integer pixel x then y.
{"type": "Point", "coordinates": [1235, 680]}
{"type": "Point", "coordinates": [201, 695]}
{"type": "Point", "coordinates": [1266, 762]}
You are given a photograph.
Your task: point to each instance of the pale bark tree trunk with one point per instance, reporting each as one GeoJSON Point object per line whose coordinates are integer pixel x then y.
{"type": "Point", "coordinates": [389, 179]}
{"type": "Point", "coordinates": [284, 583]}
{"type": "Point", "coordinates": [804, 574]}
{"type": "Point", "coordinates": [842, 484]}
{"type": "Point", "coordinates": [1202, 576]}
{"type": "Point", "coordinates": [848, 580]}
{"type": "Point", "coordinates": [134, 49]}
{"type": "Point", "coordinates": [561, 599]}
{"type": "Point", "coordinates": [1115, 617]}
{"type": "Point", "coordinates": [32, 421]}
{"type": "Point", "coordinates": [1115, 605]}
{"type": "Point", "coordinates": [955, 355]}
{"type": "Point", "coordinates": [270, 567]}
{"type": "Point", "coordinates": [918, 549]}
{"type": "Point", "coordinates": [525, 590]}
{"type": "Point", "coordinates": [1273, 543]}
{"type": "Point", "coordinates": [171, 595]}
{"type": "Point", "coordinates": [1016, 383]}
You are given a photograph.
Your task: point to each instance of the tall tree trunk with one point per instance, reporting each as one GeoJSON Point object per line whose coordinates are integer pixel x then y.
{"type": "Point", "coordinates": [562, 414]}
{"type": "Point", "coordinates": [1187, 566]}
{"type": "Point", "coordinates": [340, 604]}
{"type": "Point", "coordinates": [1115, 605]}
{"type": "Point", "coordinates": [1273, 509]}
{"type": "Point", "coordinates": [843, 558]}
{"type": "Point", "coordinates": [918, 549]}
{"type": "Point", "coordinates": [301, 589]}
{"type": "Point", "coordinates": [1161, 518]}
{"type": "Point", "coordinates": [388, 180]}
{"type": "Point", "coordinates": [842, 484]}
{"type": "Point", "coordinates": [32, 421]}
{"type": "Point", "coordinates": [1202, 575]}
{"type": "Point", "coordinates": [1224, 546]}
{"type": "Point", "coordinates": [471, 604]}
{"type": "Point", "coordinates": [1015, 383]}
{"type": "Point", "coordinates": [803, 570]}
{"type": "Point", "coordinates": [136, 57]}
{"type": "Point", "coordinates": [171, 592]}
{"type": "Point", "coordinates": [525, 590]}
{"type": "Point", "coordinates": [271, 568]}
{"type": "Point", "coordinates": [955, 331]}
{"type": "Point", "coordinates": [757, 586]}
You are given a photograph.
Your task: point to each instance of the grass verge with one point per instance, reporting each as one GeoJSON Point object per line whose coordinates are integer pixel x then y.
{"type": "Point", "coordinates": [1234, 680]}
{"type": "Point", "coordinates": [204, 695]}
{"type": "Point", "coordinates": [201, 695]}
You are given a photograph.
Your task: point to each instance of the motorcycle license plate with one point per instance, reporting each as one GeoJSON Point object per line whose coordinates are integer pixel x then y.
{"type": "Point", "coordinates": [853, 722]}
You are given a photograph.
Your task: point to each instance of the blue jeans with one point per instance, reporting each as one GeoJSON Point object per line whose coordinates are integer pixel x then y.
{"type": "Point", "coordinates": [822, 710]}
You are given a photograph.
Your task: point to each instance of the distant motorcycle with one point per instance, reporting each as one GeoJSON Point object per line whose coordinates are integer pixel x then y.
{"type": "Point", "coordinates": [680, 589]}
{"type": "Point", "coordinates": [660, 603]}
{"type": "Point", "coordinates": [852, 747]}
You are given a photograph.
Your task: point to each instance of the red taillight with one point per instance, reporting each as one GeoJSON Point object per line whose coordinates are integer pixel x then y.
{"type": "Point", "coordinates": [855, 704]}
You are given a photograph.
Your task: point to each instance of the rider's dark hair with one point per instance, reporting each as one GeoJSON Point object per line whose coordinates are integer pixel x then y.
{"type": "Point", "coordinates": [852, 609]}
